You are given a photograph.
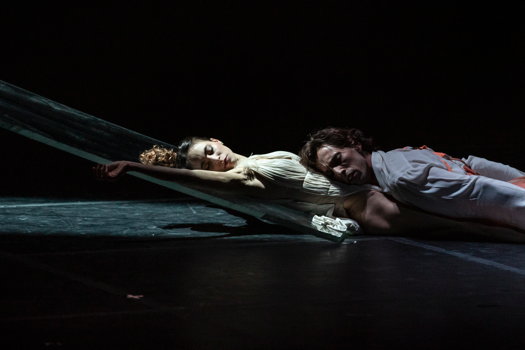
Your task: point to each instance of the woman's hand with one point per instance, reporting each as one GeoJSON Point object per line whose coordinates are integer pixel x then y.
{"type": "Point", "coordinates": [110, 171]}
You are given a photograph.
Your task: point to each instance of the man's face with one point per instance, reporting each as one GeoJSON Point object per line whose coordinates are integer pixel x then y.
{"type": "Point", "coordinates": [348, 164]}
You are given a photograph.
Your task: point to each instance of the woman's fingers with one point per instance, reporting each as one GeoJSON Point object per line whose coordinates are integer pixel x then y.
{"type": "Point", "coordinates": [101, 171]}
{"type": "Point", "coordinates": [96, 171]}
{"type": "Point", "coordinates": [109, 171]}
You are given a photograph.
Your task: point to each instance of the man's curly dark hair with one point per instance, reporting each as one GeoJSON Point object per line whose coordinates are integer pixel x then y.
{"type": "Point", "coordinates": [334, 136]}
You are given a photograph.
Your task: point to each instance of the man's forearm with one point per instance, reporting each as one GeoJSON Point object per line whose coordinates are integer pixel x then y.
{"type": "Point", "coordinates": [380, 215]}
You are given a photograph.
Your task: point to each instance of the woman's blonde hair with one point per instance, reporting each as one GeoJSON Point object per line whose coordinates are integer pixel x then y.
{"type": "Point", "coordinates": [158, 155]}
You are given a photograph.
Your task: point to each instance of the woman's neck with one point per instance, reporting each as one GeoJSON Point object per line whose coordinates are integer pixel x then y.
{"type": "Point", "coordinates": [241, 160]}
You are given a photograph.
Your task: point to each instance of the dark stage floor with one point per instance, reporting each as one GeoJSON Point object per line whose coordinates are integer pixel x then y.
{"type": "Point", "coordinates": [179, 274]}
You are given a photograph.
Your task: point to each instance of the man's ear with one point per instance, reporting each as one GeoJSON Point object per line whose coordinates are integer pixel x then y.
{"type": "Point", "coordinates": [215, 140]}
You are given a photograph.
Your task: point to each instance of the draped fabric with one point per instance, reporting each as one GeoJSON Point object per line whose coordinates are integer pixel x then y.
{"type": "Point", "coordinates": [67, 129]}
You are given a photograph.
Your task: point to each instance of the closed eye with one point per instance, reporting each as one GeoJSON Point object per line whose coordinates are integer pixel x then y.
{"type": "Point", "coordinates": [208, 150]}
{"type": "Point", "coordinates": [335, 161]}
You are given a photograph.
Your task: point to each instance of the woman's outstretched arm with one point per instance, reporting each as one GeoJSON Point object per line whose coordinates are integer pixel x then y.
{"type": "Point", "coordinates": [234, 181]}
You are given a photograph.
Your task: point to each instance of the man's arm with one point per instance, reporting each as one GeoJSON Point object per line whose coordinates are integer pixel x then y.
{"type": "Point", "coordinates": [376, 213]}
{"type": "Point", "coordinates": [380, 215]}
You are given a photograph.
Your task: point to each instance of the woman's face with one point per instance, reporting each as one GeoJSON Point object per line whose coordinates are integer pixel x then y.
{"type": "Point", "coordinates": [211, 155]}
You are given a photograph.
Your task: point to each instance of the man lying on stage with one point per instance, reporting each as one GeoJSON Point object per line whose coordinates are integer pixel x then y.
{"type": "Point", "coordinates": [209, 165]}
{"type": "Point", "coordinates": [474, 189]}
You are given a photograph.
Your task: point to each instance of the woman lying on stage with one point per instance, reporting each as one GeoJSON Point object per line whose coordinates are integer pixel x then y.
{"type": "Point", "coordinates": [207, 164]}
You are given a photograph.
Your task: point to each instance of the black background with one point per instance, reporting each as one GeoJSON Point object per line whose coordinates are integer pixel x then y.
{"type": "Point", "coordinates": [261, 77]}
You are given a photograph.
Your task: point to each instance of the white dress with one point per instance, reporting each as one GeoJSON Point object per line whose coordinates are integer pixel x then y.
{"type": "Point", "coordinates": [310, 191]}
{"type": "Point", "coordinates": [423, 179]}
